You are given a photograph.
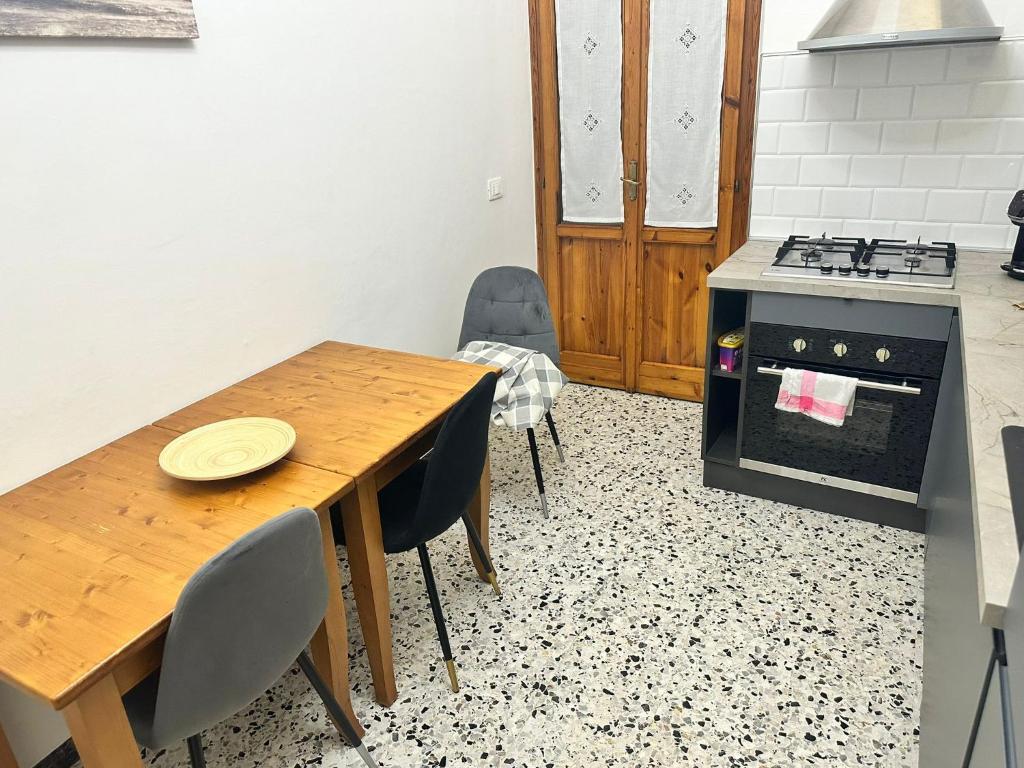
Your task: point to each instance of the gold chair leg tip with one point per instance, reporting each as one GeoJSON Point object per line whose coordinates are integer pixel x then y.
{"type": "Point", "coordinates": [494, 583]}
{"type": "Point", "coordinates": [453, 676]}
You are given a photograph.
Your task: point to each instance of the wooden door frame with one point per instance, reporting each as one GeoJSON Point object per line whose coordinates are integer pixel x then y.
{"type": "Point", "coordinates": [743, 29]}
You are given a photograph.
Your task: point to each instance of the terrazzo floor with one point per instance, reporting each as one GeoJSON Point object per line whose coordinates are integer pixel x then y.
{"type": "Point", "coordinates": [650, 622]}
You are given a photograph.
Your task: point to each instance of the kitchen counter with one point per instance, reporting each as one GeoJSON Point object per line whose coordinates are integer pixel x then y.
{"type": "Point", "coordinates": [993, 346]}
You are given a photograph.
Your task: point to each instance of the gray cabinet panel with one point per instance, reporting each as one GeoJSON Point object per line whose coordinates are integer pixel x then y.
{"type": "Point", "coordinates": [956, 645]}
{"type": "Point", "coordinates": [915, 321]}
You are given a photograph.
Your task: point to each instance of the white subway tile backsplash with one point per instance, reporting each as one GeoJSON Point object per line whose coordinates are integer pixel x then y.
{"type": "Point", "coordinates": [903, 138]}
{"type": "Point", "coordinates": [916, 66]}
{"type": "Point", "coordinates": [948, 205]}
{"type": "Point", "coordinates": [931, 171]}
{"type": "Point", "coordinates": [817, 227]}
{"type": "Point", "coordinates": [774, 170]}
{"type": "Point", "coordinates": [867, 228]}
{"type": "Point", "coordinates": [925, 141]}
{"type": "Point", "coordinates": [854, 138]}
{"type": "Point", "coordinates": [996, 204]}
{"type": "Point", "coordinates": [1011, 136]}
{"type": "Point", "coordinates": [980, 235]}
{"type": "Point", "coordinates": [771, 71]}
{"type": "Point", "coordinates": [876, 171]}
{"type": "Point", "coordinates": [968, 136]}
{"type": "Point", "coordinates": [985, 61]}
{"type": "Point", "coordinates": [797, 201]}
{"type": "Point", "coordinates": [998, 172]}
{"type": "Point", "coordinates": [761, 200]}
{"type": "Point", "coordinates": [885, 103]}
{"type": "Point", "coordinates": [831, 103]}
{"type": "Point", "coordinates": [767, 141]}
{"type": "Point", "coordinates": [941, 101]}
{"type": "Point", "coordinates": [824, 170]}
{"type": "Point", "coordinates": [846, 203]}
{"type": "Point", "coordinates": [998, 99]}
{"type": "Point", "coordinates": [929, 233]}
{"type": "Point", "coordinates": [771, 226]}
{"type": "Point", "coordinates": [899, 204]}
{"type": "Point", "coordinates": [862, 68]}
{"type": "Point", "coordinates": [808, 70]}
{"type": "Point", "coordinates": [803, 138]}
{"type": "Point", "coordinates": [778, 106]}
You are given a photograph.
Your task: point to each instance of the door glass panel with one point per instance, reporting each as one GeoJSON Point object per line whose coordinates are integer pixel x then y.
{"type": "Point", "coordinates": [866, 430]}
{"type": "Point", "coordinates": [684, 107]}
{"type": "Point", "coordinates": [589, 39]}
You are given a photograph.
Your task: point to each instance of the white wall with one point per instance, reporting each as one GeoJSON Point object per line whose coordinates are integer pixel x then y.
{"type": "Point", "coordinates": [177, 216]}
{"type": "Point", "coordinates": [919, 141]}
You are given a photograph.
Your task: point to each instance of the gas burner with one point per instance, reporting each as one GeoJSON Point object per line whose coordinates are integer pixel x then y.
{"type": "Point", "coordinates": [932, 258]}
{"type": "Point", "coordinates": [893, 262]}
{"type": "Point", "coordinates": [915, 249]}
{"type": "Point", "coordinates": [821, 244]}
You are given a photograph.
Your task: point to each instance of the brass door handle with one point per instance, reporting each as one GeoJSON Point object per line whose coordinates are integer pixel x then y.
{"type": "Point", "coordinates": [632, 180]}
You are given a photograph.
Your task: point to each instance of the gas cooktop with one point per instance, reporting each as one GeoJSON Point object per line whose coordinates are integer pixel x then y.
{"type": "Point", "coordinates": [883, 262]}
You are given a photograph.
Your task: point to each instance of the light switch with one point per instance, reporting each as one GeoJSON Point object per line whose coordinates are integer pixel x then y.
{"type": "Point", "coordinates": [495, 188]}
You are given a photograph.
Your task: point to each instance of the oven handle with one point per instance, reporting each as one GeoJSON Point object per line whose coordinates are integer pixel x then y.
{"type": "Point", "coordinates": [904, 388]}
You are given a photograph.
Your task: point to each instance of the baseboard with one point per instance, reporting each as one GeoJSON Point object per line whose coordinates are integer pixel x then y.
{"type": "Point", "coordinates": [823, 498]}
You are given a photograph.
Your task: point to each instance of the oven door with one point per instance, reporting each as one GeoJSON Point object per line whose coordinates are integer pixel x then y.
{"type": "Point", "coordinates": [880, 449]}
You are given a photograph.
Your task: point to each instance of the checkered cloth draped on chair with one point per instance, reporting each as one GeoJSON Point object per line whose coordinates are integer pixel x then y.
{"type": "Point", "coordinates": [528, 386]}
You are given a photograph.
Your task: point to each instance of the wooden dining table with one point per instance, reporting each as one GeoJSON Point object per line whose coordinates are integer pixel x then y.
{"type": "Point", "coordinates": [366, 414]}
{"type": "Point", "coordinates": [94, 554]}
{"type": "Point", "coordinates": [93, 557]}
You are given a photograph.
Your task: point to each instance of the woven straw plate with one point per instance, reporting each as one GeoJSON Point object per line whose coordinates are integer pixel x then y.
{"type": "Point", "coordinates": [228, 448]}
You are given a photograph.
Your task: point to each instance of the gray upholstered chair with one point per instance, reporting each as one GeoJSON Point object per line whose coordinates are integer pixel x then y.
{"type": "Point", "coordinates": [510, 305]}
{"type": "Point", "coordinates": [240, 622]}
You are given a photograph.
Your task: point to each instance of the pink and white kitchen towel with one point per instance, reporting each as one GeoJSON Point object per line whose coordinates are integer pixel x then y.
{"type": "Point", "coordinates": [822, 396]}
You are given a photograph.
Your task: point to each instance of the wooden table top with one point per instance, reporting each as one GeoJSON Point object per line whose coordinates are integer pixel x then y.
{"type": "Point", "coordinates": [353, 408]}
{"type": "Point", "coordinates": [94, 554]}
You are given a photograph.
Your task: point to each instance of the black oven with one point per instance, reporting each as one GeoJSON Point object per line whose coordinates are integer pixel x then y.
{"type": "Point", "coordinates": [881, 447]}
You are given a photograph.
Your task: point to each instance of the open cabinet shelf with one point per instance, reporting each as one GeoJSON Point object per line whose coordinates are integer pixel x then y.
{"type": "Point", "coordinates": [723, 390]}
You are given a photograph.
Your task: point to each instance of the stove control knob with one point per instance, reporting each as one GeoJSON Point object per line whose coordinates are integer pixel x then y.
{"type": "Point", "coordinates": [799, 345]}
{"type": "Point", "coordinates": [839, 349]}
{"type": "Point", "coordinates": [882, 354]}
{"type": "Point", "coordinates": [845, 269]}
{"type": "Point", "coordinates": [881, 271]}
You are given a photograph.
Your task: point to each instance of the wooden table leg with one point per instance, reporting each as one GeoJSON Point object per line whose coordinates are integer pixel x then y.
{"type": "Point", "coordinates": [330, 643]}
{"type": "Point", "coordinates": [361, 517]}
{"type": "Point", "coordinates": [100, 729]}
{"type": "Point", "coordinates": [7, 759]}
{"type": "Point", "coordinates": [480, 514]}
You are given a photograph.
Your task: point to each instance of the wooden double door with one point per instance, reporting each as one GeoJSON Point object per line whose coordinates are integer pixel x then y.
{"type": "Point", "coordinates": [630, 299]}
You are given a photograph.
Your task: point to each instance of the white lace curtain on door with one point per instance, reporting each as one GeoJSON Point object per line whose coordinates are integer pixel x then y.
{"type": "Point", "coordinates": [684, 108]}
{"type": "Point", "coordinates": [589, 39]}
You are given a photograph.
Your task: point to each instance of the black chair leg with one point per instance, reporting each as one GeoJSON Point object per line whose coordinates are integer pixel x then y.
{"type": "Point", "coordinates": [435, 606]}
{"type": "Point", "coordinates": [195, 751]}
{"type": "Point", "coordinates": [474, 536]}
{"type": "Point", "coordinates": [537, 471]}
{"type": "Point", "coordinates": [334, 709]}
{"type": "Point", "coordinates": [554, 436]}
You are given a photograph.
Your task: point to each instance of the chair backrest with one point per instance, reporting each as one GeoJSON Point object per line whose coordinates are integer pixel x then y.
{"type": "Point", "coordinates": [456, 461]}
{"type": "Point", "coordinates": [241, 621]}
{"type": "Point", "coordinates": [509, 304]}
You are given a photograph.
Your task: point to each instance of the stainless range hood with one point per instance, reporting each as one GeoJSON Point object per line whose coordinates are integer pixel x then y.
{"type": "Point", "coordinates": [855, 24]}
